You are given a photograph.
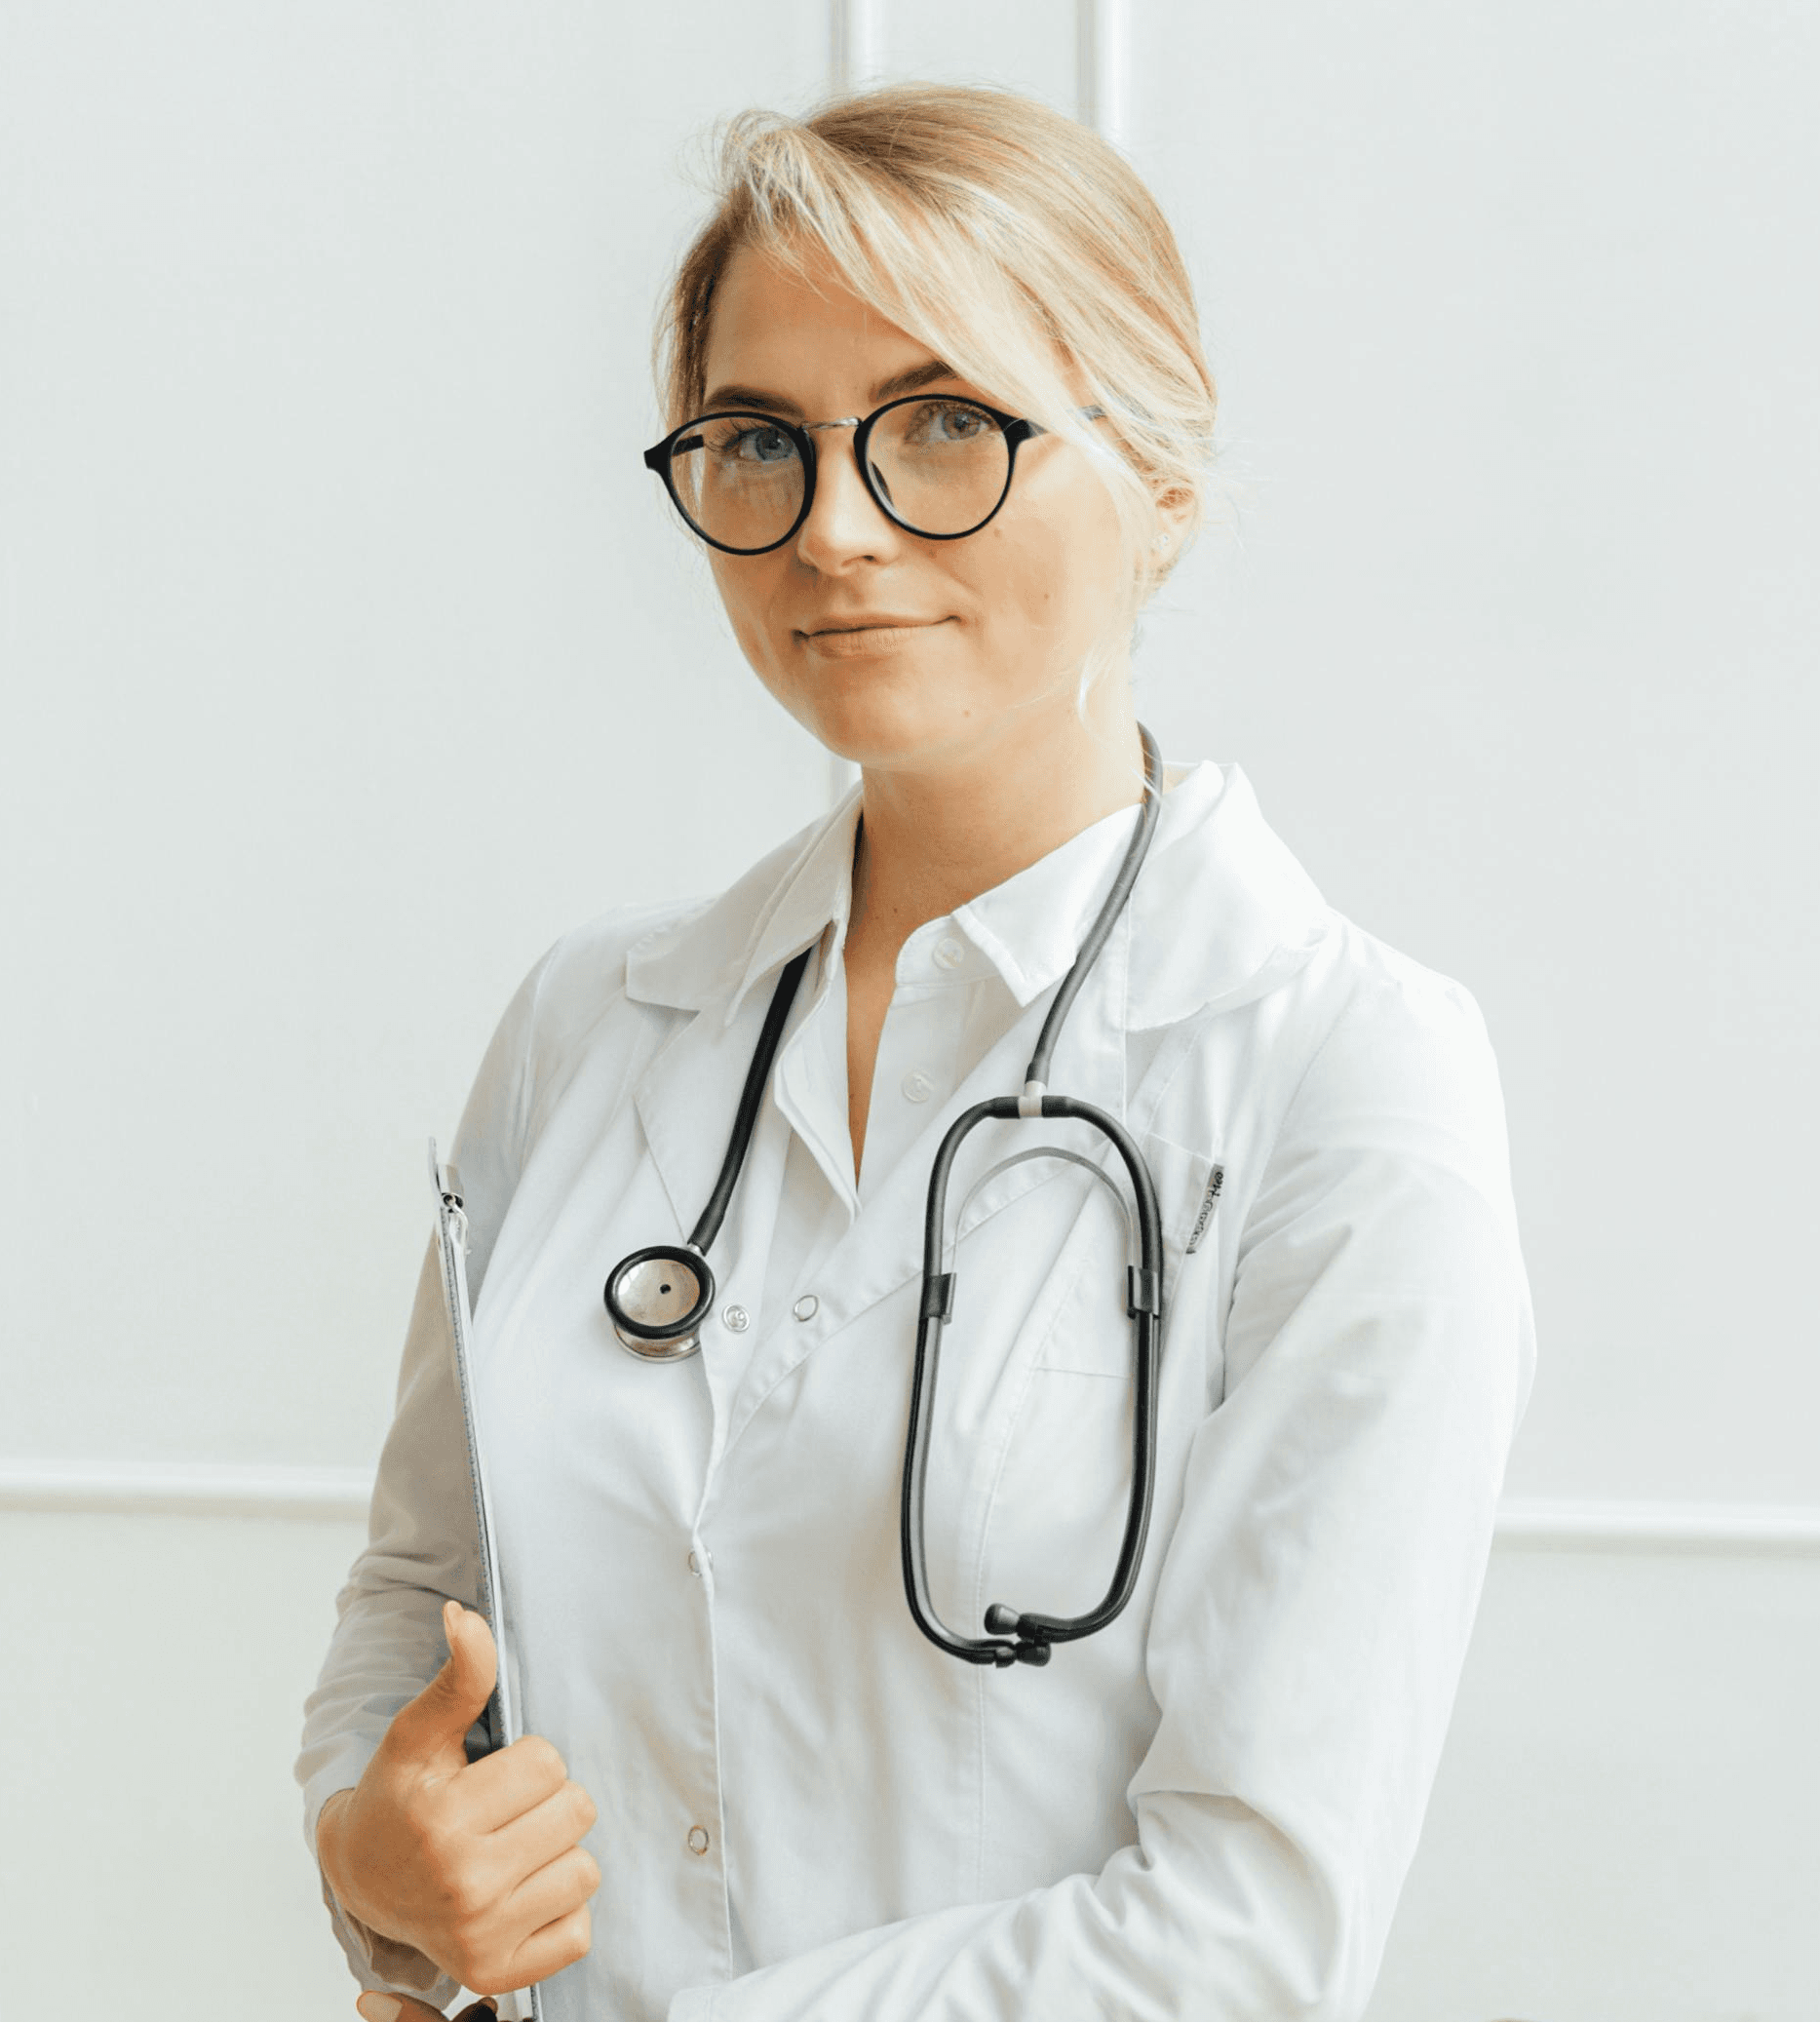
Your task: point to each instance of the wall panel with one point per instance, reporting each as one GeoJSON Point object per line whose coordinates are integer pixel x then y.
{"type": "Point", "coordinates": [1514, 630]}
{"type": "Point", "coordinates": [353, 653]}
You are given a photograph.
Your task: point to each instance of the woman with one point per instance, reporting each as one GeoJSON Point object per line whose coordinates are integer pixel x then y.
{"type": "Point", "coordinates": [760, 1789]}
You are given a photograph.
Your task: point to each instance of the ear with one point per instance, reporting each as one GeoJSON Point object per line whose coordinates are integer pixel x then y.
{"type": "Point", "coordinates": [1175, 514]}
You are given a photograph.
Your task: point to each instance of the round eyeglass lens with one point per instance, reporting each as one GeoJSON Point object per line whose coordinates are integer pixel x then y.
{"type": "Point", "coordinates": [738, 478]}
{"type": "Point", "coordinates": [940, 465]}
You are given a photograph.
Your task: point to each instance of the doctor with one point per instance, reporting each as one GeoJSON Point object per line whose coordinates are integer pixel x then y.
{"type": "Point", "coordinates": [939, 414]}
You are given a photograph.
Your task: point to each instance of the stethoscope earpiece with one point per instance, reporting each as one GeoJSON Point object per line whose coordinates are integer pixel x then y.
{"type": "Point", "coordinates": [657, 1300]}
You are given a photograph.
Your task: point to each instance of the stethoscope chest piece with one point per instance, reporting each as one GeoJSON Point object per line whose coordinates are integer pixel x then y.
{"type": "Point", "coordinates": [658, 1297]}
{"type": "Point", "coordinates": [657, 1300]}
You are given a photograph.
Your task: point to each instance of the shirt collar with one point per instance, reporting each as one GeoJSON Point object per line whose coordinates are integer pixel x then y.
{"type": "Point", "coordinates": [1221, 912]}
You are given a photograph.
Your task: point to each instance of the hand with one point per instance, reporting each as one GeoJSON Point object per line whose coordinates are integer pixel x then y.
{"type": "Point", "coordinates": [476, 1864]}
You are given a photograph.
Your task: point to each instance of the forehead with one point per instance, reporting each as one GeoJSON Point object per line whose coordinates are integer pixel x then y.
{"type": "Point", "coordinates": [776, 328]}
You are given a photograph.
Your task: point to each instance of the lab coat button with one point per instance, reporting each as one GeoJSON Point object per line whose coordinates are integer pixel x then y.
{"type": "Point", "coordinates": [807, 1306]}
{"type": "Point", "coordinates": [698, 1840]}
{"type": "Point", "coordinates": [695, 1565]}
{"type": "Point", "coordinates": [736, 1319]}
{"type": "Point", "coordinates": [917, 1086]}
{"type": "Point", "coordinates": [949, 954]}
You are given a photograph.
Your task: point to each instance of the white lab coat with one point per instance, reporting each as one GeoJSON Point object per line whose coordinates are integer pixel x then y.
{"type": "Point", "coordinates": [808, 1814]}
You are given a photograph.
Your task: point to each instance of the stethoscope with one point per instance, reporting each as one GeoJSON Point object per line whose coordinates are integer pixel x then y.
{"type": "Point", "coordinates": [659, 1297]}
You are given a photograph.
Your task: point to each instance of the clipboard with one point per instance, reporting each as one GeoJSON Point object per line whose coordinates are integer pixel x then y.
{"type": "Point", "coordinates": [502, 1719]}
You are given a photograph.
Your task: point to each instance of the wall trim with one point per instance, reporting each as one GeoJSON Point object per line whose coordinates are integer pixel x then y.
{"type": "Point", "coordinates": [1537, 1524]}
{"type": "Point", "coordinates": [1102, 68]}
{"type": "Point", "coordinates": [161, 1487]}
{"type": "Point", "coordinates": [152, 1487]}
{"type": "Point", "coordinates": [856, 43]}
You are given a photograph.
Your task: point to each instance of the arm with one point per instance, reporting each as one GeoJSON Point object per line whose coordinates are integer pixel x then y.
{"type": "Point", "coordinates": [1314, 1606]}
{"type": "Point", "coordinates": [421, 1549]}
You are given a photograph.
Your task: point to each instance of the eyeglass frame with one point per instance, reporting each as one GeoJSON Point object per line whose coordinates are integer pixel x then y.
{"type": "Point", "coordinates": [1016, 429]}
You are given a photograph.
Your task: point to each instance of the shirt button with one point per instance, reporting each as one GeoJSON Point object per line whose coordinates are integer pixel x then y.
{"type": "Point", "coordinates": [949, 954]}
{"type": "Point", "coordinates": [695, 1564]}
{"type": "Point", "coordinates": [698, 1840]}
{"type": "Point", "coordinates": [917, 1086]}
{"type": "Point", "coordinates": [736, 1319]}
{"type": "Point", "coordinates": [807, 1306]}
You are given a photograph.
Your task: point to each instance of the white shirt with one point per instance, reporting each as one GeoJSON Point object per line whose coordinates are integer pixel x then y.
{"type": "Point", "coordinates": [807, 1812]}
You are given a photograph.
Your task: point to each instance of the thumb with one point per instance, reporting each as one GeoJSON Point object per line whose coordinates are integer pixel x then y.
{"type": "Point", "coordinates": [432, 1728]}
{"type": "Point", "coordinates": [400, 2007]}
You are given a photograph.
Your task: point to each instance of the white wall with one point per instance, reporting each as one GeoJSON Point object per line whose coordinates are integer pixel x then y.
{"type": "Point", "coordinates": [348, 657]}
{"type": "Point", "coordinates": [1517, 322]}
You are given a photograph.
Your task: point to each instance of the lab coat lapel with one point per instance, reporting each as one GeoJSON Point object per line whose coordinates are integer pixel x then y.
{"type": "Point", "coordinates": [686, 1099]}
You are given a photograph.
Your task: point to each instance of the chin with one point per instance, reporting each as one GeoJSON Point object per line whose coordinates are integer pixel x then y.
{"type": "Point", "coordinates": [860, 719]}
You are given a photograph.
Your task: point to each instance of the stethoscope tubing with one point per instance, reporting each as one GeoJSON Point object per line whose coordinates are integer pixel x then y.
{"type": "Point", "coordinates": [677, 1287]}
{"type": "Point", "coordinates": [1015, 1636]}
{"type": "Point", "coordinates": [1023, 1637]}
{"type": "Point", "coordinates": [745, 1116]}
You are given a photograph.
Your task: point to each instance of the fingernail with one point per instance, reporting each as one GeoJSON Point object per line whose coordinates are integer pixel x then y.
{"type": "Point", "coordinates": [452, 1614]}
{"type": "Point", "coordinates": [381, 2007]}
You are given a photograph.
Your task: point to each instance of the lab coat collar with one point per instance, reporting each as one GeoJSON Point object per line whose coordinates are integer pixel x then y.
{"type": "Point", "coordinates": [1222, 913]}
{"type": "Point", "coordinates": [716, 953]}
{"type": "Point", "coordinates": [1230, 915]}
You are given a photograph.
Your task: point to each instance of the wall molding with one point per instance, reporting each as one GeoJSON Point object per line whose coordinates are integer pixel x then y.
{"type": "Point", "coordinates": [1102, 68]}
{"type": "Point", "coordinates": [856, 43]}
{"type": "Point", "coordinates": [327, 1494]}
{"type": "Point", "coordinates": [1536, 1524]}
{"type": "Point", "coordinates": [158, 1487]}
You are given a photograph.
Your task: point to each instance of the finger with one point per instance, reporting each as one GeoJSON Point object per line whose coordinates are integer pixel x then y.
{"type": "Point", "coordinates": [555, 1890]}
{"type": "Point", "coordinates": [432, 1729]}
{"type": "Point", "coordinates": [556, 1945]}
{"type": "Point", "coordinates": [505, 1785]}
{"type": "Point", "coordinates": [536, 1837]}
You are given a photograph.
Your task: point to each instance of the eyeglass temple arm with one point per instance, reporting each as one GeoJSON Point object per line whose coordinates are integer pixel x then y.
{"type": "Point", "coordinates": [1086, 414]}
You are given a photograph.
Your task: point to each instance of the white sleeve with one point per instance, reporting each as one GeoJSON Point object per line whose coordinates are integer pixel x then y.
{"type": "Point", "coordinates": [1317, 1595]}
{"type": "Point", "coordinates": [421, 1547]}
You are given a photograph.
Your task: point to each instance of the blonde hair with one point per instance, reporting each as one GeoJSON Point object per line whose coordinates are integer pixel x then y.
{"type": "Point", "coordinates": [1014, 242]}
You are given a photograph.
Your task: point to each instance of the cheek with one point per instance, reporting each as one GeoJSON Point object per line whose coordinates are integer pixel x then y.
{"type": "Point", "coordinates": [746, 596]}
{"type": "Point", "coordinates": [1057, 573]}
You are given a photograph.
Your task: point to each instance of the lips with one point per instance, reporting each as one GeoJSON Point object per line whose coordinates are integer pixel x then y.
{"type": "Point", "coordinates": [871, 622]}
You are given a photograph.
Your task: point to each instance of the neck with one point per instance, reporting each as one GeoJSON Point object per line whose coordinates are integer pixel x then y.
{"type": "Point", "coordinates": [934, 837]}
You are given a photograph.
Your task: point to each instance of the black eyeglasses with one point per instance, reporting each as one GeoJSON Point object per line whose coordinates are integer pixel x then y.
{"type": "Point", "coordinates": [937, 466]}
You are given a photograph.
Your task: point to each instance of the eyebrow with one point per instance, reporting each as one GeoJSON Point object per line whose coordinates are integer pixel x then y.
{"type": "Point", "coordinates": [911, 381]}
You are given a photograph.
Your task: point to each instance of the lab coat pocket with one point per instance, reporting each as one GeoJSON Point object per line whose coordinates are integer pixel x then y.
{"type": "Point", "coordinates": [1058, 1506]}
{"type": "Point", "coordinates": [1188, 1186]}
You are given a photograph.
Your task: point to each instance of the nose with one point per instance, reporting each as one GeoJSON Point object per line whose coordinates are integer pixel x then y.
{"type": "Point", "coordinates": [845, 526]}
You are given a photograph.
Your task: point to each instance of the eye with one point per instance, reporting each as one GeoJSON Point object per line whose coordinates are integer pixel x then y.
{"type": "Point", "coordinates": [953, 421]}
{"type": "Point", "coordinates": [759, 444]}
